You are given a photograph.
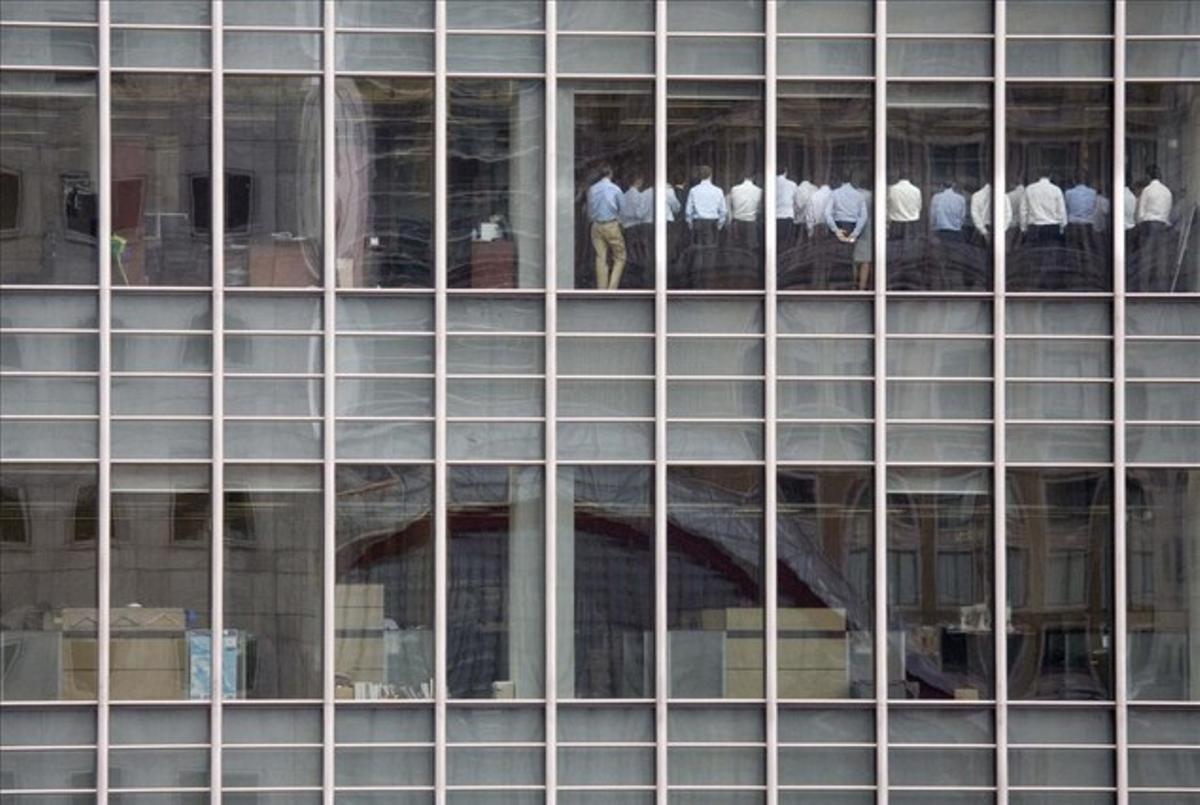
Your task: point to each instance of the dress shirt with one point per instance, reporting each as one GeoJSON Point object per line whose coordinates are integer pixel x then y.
{"type": "Point", "coordinates": [947, 211]}
{"type": "Point", "coordinates": [1155, 203]}
{"type": "Point", "coordinates": [1082, 205]}
{"type": "Point", "coordinates": [1130, 209]}
{"type": "Point", "coordinates": [981, 209]}
{"type": "Point", "coordinates": [673, 205]}
{"type": "Point", "coordinates": [1043, 205]}
{"type": "Point", "coordinates": [814, 210]}
{"type": "Point", "coordinates": [604, 201]}
{"type": "Point", "coordinates": [847, 203]}
{"type": "Point", "coordinates": [706, 202]}
{"type": "Point", "coordinates": [632, 206]}
{"type": "Point", "coordinates": [804, 192]}
{"type": "Point", "coordinates": [785, 197]}
{"type": "Point", "coordinates": [745, 200]}
{"type": "Point", "coordinates": [904, 202]}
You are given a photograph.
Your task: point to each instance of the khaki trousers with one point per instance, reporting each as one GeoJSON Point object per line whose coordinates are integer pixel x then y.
{"type": "Point", "coordinates": [607, 238]}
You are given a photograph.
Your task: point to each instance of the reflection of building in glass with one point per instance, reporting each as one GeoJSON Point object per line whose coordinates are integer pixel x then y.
{"type": "Point", "coordinates": [720, 402]}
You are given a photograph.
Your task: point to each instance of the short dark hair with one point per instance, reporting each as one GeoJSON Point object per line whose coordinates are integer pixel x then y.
{"type": "Point", "coordinates": [704, 172]}
{"type": "Point", "coordinates": [605, 170]}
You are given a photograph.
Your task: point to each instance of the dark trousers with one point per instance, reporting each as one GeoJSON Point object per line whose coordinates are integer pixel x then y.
{"type": "Point", "coordinates": [955, 235]}
{"type": "Point", "coordinates": [785, 234]}
{"type": "Point", "coordinates": [1044, 235]}
{"type": "Point", "coordinates": [1155, 259]}
{"type": "Point", "coordinates": [703, 251]}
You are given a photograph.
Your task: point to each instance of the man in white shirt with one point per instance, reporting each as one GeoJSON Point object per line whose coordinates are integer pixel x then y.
{"type": "Point", "coordinates": [706, 213]}
{"type": "Point", "coordinates": [904, 204]}
{"type": "Point", "coordinates": [637, 223]}
{"type": "Point", "coordinates": [1153, 239]}
{"type": "Point", "coordinates": [745, 204]}
{"type": "Point", "coordinates": [804, 193]}
{"type": "Point", "coordinates": [981, 211]}
{"type": "Point", "coordinates": [1043, 213]}
{"type": "Point", "coordinates": [785, 211]}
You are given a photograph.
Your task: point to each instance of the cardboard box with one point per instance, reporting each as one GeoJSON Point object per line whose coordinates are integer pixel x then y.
{"type": "Point", "coordinates": [812, 653]}
{"type": "Point", "coordinates": [811, 619]}
{"type": "Point", "coordinates": [745, 684]}
{"type": "Point", "coordinates": [794, 684]}
{"type": "Point", "coordinates": [744, 653]}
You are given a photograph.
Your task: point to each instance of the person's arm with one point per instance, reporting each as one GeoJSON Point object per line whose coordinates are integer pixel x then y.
{"type": "Point", "coordinates": [722, 210]}
{"type": "Point", "coordinates": [829, 222]}
{"type": "Point", "coordinates": [672, 201]}
{"type": "Point", "coordinates": [860, 217]}
{"type": "Point", "coordinates": [1023, 212]}
{"type": "Point", "coordinates": [691, 207]}
{"type": "Point", "coordinates": [979, 213]}
{"type": "Point", "coordinates": [1060, 210]}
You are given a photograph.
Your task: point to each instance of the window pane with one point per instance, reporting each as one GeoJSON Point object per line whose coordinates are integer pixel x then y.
{"type": "Point", "coordinates": [722, 16]}
{"type": "Point", "coordinates": [606, 201]}
{"type": "Point", "coordinates": [714, 582]}
{"type": "Point", "coordinates": [715, 150]}
{"type": "Point", "coordinates": [1059, 168]}
{"type": "Point", "coordinates": [48, 201]}
{"type": "Point", "coordinates": [495, 184]}
{"type": "Point", "coordinates": [48, 571]}
{"type": "Point", "coordinates": [826, 16]}
{"type": "Point", "coordinates": [1059, 534]}
{"type": "Point", "coordinates": [161, 551]}
{"type": "Point", "coordinates": [825, 141]}
{"type": "Point", "coordinates": [825, 620]}
{"type": "Point", "coordinates": [612, 15]}
{"type": "Point", "coordinates": [496, 625]}
{"type": "Point", "coordinates": [939, 196]}
{"type": "Point", "coordinates": [606, 582]}
{"type": "Point", "coordinates": [305, 13]}
{"type": "Point", "coordinates": [273, 580]}
{"type": "Point", "coordinates": [1162, 246]}
{"type": "Point", "coordinates": [1061, 16]}
{"type": "Point", "coordinates": [940, 16]}
{"type": "Point", "coordinates": [272, 181]}
{"type": "Point", "coordinates": [383, 617]}
{"type": "Point", "coordinates": [161, 139]}
{"type": "Point", "coordinates": [385, 182]}
{"type": "Point", "coordinates": [940, 584]}
{"type": "Point", "coordinates": [1164, 584]}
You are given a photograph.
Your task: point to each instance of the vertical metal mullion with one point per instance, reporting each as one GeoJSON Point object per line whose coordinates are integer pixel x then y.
{"type": "Point", "coordinates": [217, 530]}
{"type": "Point", "coordinates": [1120, 569]}
{"type": "Point", "coordinates": [441, 569]}
{"type": "Point", "coordinates": [551, 396]}
{"type": "Point", "coordinates": [661, 673]}
{"type": "Point", "coordinates": [328, 430]}
{"type": "Point", "coordinates": [999, 408]}
{"type": "Point", "coordinates": [770, 552]}
{"type": "Point", "coordinates": [879, 233]}
{"type": "Point", "coordinates": [104, 436]}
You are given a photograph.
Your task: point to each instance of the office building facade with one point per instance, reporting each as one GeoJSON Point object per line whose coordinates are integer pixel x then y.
{"type": "Point", "coordinates": [600, 401]}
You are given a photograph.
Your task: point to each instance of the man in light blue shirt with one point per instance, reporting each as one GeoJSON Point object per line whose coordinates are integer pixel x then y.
{"type": "Point", "coordinates": [637, 223]}
{"type": "Point", "coordinates": [947, 213]}
{"type": "Point", "coordinates": [604, 207]}
{"type": "Point", "coordinates": [1082, 202]}
{"type": "Point", "coordinates": [705, 212]}
{"type": "Point", "coordinates": [847, 212]}
{"type": "Point", "coordinates": [1084, 220]}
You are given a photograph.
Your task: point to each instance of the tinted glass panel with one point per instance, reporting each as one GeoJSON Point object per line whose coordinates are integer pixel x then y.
{"type": "Point", "coordinates": [48, 201]}
{"type": "Point", "coordinates": [939, 196]}
{"type": "Point", "coordinates": [383, 601]}
{"type": "Point", "coordinates": [495, 229]}
{"type": "Point", "coordinates": [715, 159]}
{"type": "Point", "coordinates": [385, 182]}
{"type": "Point", "coordinates": [825, 140]}
{"type": "Point", "coordinates": [48, 536]}
{"type": "Point", "coordinates": [1060, 583]}
{"type": "Point", "coordinates": [606, 581]}
{"type": "Point", "coordinates": [272, 181]}
{"type": "Point", "coordinates": [940, 584]}
{"type": "Point", "coordinates": [607, 187]}
{"type": "Point", "coordinates": [1059, 167]}
{"type": "Point", "coordinates": [495, 586]}
{"type": "Point", "coordinates": [161, 139]}
{"type": "Point", "coordinates": [1162, 234]}
{"type": "Point", "coordinates": [273, 581]}
{"type": "Point", "coordinates": [825, 577]}
{"type": "Point", "coordinates": [714, 586]}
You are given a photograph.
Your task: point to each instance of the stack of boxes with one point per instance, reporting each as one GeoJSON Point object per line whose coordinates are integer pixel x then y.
{"type": "Point", "coordinates": [813, 650]}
